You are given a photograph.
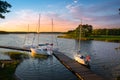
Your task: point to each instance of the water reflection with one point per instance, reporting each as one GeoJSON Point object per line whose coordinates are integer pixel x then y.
{"type": "Point", "coordinates": [104, 59]}
{"type": "Point", "coordinates": [85, 46]}
{"type": "Point", "coordinates": [42, 69]}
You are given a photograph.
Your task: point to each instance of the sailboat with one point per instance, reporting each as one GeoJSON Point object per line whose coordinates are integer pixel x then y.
{"type": "Point", "coordinates": [27, 43]}
{"type": "Point", "coordinates": [82, 59]}
{"type": "Point", "coordinates": [44, 49]}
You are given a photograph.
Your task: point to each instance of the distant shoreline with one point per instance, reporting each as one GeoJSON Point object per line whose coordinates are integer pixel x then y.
{"type": "Point", "coordinates": [3, 32]}
{"type": "Point", "coordinates": [105, 38]}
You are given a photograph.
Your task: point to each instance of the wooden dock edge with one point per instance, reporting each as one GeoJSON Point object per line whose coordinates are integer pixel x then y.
{"type": "Point", "coordinates": [82, 72]}
{"type": "Point", "coordinates": [14, 48]}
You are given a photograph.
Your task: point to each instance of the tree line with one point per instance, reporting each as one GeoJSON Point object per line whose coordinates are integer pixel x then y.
{"type": "Point", "coordinates": [105, 31]}
{"type": "Point", "coordinates": [87, 30]}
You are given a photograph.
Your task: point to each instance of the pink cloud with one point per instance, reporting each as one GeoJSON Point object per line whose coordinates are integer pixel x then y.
{"type": "Point", "coordinates": [101, 14]}
{"type": "Point", "coordinates": [24, 17]}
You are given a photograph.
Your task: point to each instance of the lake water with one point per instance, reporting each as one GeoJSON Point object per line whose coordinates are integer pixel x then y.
{"type": "Point", "coordinates": [105, 59]}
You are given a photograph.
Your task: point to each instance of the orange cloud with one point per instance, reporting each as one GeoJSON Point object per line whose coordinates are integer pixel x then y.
{"type": "Point", "coordinates": [22, 18]}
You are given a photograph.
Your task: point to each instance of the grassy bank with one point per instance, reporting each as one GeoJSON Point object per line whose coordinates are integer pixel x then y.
{"type": "Point", "coordinates": [17, 55]}
{"type": "Point", "coordinates": [107, 38]}
{"type": "Point", "coordinates": [7, 71]}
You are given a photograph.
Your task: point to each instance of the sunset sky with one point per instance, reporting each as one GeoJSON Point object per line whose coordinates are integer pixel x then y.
{"type": "Point", "coordinates": [66, 14]}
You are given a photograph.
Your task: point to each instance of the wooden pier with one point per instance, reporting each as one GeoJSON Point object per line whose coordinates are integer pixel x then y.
{"type": "Point", "coordinates": [15, 48]}
{"type": "Point", "coordinates": [82, 72]}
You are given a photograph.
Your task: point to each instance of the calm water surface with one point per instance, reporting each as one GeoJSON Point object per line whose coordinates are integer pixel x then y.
{"type": "Point", "coordinates": [105, 59]}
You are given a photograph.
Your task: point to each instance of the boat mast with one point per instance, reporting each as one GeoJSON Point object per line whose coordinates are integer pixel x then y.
{"type": "Point", "coordinates": [80, 35]}
{"type": "Point", "coordinates": [39, 27]}
{"type": "Point", "coordinates": [55, 35]}
{"type": "Point", "coordinates": [28, 33]}
{"type": "Point", "coordinates": [52, 30]}
{"type": "Point", "coordinates": [26, 36]}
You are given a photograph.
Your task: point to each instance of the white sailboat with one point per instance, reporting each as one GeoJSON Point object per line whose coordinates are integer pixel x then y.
{"type": "Point", "coordinates": [44, 49]}
{"type": "Point", "coordinates": [27, 41]}
{"type": "Point", "coordinates": [84, 60]}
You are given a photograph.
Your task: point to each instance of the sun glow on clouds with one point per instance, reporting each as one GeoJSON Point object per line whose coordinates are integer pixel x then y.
{"type": "Point", "coordinates": [24, 17]}
{"type": "Point", "coordinates": [66, 17]}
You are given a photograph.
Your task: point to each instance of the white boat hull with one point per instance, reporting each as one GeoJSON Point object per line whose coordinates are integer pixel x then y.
{"type": "Point", "coordinates": [41, 51]}
{"type": "Point", "coordinates": [80, 60]}
{"type": "Point", "coordinates": [84, 60]}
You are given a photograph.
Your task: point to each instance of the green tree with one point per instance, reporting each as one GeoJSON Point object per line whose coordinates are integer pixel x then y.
{"type": "Point", "coordinates": [4, 8]}
{"type": "Point", "coordinates": [86, 30]}
{"type": "Point", "coordinates": [81, 30]}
